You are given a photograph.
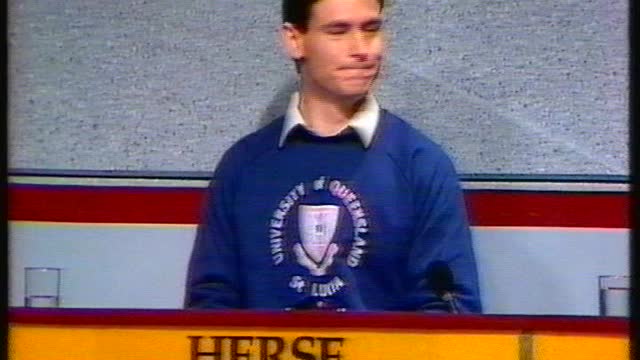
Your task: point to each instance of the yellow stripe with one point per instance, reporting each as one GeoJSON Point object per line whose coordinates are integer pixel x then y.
{"type": "Point", "coordinates": [581, 347]}
{"type": "Point", "coordinates": [21, 223]}
{"type": "Point", "coordinates": [176, 182]}
{"type": "Point", "coordinates": [101, 181]}
{"type": "Point", "coordinates": [567, 229]}
{"type": "Point", "coordinates": [37, 343]}
{"type": "Point", "coordinates": [29, 223]}
{"type": "Point", "coordinates": [138, 343]}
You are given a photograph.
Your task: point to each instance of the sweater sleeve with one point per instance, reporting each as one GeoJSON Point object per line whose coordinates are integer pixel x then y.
{"type": "Point", "coordinates": [441, 237]}
{"type": "Point", "coordinates": [213, 272]}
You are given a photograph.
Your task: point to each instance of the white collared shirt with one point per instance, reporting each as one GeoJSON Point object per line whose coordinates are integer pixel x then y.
{"type": "Point", "coordinates": [364, 122]}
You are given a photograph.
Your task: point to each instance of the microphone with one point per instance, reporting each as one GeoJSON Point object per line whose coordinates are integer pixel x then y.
{"type": "Point", "coordinates": [440, 279]}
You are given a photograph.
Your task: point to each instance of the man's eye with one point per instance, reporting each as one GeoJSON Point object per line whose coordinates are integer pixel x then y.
{"type": "Point", "coordinates": [373, 27]}
{"type": "Point", "coordinates": [337, 31]}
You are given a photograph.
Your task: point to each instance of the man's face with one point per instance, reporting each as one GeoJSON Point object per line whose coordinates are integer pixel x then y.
{"type": "Point", "coordinates": [343, 47]}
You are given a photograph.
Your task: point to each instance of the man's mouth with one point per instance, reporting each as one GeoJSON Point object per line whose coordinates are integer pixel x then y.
{"type": "Point", "coordinates": [360, 72]}
{"type": "Point", "coordinates": [360, 67]}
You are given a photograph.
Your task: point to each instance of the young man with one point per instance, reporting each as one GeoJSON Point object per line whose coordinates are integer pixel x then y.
{"type": "Point", "coordinates": [339, 204]}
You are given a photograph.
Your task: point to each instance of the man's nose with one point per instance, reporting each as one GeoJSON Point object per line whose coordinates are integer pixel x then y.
{"type": "Point", "coordinates": [360, 45]}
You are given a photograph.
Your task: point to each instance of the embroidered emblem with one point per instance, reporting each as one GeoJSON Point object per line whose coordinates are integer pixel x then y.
{"type": "Point", "coordinates": [316, 247]}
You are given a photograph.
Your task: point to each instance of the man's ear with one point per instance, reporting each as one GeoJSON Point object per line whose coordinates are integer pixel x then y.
{"type": "Point", "coordinates": [292, 41]}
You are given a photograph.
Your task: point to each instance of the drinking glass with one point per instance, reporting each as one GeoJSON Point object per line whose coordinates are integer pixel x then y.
{"type": "Point", "coordinates": [42, 287]}
{"type": "Point", "coordinates": [614, 295]}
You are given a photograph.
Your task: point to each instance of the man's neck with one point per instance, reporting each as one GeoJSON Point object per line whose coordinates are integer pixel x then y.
{"type": "Point", "coordinates": [325, 115]}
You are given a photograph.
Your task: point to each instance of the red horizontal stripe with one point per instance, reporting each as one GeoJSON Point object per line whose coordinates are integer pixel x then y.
{"type": "Point", "coordinates": [319, 320]}
{"type": "Point", "coordinates": [561, 209]}
{"type": "Point", "coordinates": [92, 204]}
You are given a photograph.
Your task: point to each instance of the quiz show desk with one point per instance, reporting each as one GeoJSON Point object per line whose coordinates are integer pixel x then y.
{"type": "Point", "coordinates": [117, 334]}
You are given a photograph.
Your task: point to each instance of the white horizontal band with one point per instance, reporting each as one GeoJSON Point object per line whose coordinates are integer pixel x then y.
{"type": "Point", "coordinates": [191, 183]}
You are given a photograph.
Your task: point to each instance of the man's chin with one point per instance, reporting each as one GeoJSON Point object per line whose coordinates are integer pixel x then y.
{"type": "Point", "coordinates": [354, 93]}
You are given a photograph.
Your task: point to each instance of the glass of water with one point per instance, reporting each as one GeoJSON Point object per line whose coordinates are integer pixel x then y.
{"type": "Point", "coordinates": [614, 295]}
{"type": "Point", "coordinates": [42, 287]}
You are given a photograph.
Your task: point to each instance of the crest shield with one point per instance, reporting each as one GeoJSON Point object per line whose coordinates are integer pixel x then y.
{"type": "Point", "coordinates": [317, 225]}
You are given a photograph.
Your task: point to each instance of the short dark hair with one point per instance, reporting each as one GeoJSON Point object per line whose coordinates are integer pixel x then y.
{"type": "Point", "coordinates": [298, 12]}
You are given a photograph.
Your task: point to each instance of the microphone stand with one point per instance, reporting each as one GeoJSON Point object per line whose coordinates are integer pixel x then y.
{"type": "Point", "coordinates": [449, 298]}
{"type": "Point", "coordinates": [439, 279]}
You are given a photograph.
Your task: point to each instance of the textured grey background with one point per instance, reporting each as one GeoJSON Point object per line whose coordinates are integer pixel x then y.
{"type": "Point", "coordinates": [537, 87]}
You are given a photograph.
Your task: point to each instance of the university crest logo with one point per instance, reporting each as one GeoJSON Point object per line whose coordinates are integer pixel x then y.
{"type": "Point", "coordinates": [314, 245]}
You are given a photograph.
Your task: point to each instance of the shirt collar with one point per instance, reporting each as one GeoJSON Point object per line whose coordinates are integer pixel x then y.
{"type": "Point", "coordinates": [364, 122]}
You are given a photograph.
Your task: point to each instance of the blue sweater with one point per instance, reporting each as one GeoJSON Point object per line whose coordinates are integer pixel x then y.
{"type": "Point", "coordinates": [325, 221]}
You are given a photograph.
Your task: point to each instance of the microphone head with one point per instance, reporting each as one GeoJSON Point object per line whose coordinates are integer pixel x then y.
{"type": "Point", "coordinates": [440, 277]}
